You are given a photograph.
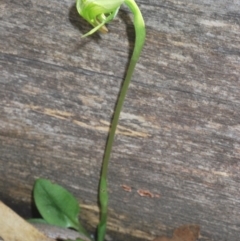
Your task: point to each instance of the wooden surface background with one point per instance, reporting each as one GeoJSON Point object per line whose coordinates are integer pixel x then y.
{"type": "Point", "coordinates": [179, 133]}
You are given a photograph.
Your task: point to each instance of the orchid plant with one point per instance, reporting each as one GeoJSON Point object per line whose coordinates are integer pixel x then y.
{"type": "Point", "coordinates": [98, 13]}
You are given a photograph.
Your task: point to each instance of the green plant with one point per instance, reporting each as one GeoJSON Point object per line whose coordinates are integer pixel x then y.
{"type": "Point", "coordinates": [98, 13]}
{"type": "Point", "coordinates": [57, 206]}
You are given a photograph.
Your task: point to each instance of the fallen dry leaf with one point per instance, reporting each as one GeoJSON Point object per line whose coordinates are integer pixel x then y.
{"type": "Point", "coordinates": [145, 193]}
{"type": "Point", "coordinates": [183, 233]}
{"type": "Point", "coordinates": [13, 227]}
{"type": "Point", "coordinates": [187, 233]}
{"type": "Point", "coordinates": [126, 188]}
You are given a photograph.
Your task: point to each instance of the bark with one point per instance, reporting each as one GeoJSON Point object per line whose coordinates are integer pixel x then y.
{"type": "Point", "coordinates": [178, 143]}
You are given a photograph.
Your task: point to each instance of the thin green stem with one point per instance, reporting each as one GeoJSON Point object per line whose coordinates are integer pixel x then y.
{"type": "Point", "coordinates": [139, 42]}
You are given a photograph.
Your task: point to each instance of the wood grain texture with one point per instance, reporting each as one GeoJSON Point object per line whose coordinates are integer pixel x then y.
{"type": "Point", "coordinates": [179, 133]}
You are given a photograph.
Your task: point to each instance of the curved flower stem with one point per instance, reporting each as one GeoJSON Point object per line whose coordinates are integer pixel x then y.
{"type": "Point", "coordinates": [139, 42]}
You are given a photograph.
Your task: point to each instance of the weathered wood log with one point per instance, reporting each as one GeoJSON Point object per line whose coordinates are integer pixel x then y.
{"type": "Point", "coordinates": [178, 141]}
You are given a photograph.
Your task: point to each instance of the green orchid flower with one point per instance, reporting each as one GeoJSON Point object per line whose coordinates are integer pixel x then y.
{"type": "Point", "coordinates": [98, 13]}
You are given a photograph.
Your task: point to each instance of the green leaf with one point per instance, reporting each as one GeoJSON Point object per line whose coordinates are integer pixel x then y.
{"type": "Point", "coordinates": [56, 205]}
{"type": "Point", "coordinates": [37, 220]}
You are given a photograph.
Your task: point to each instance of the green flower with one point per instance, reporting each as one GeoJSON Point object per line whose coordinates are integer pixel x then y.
{"type": "Point", "coordinates": [98, 12]}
